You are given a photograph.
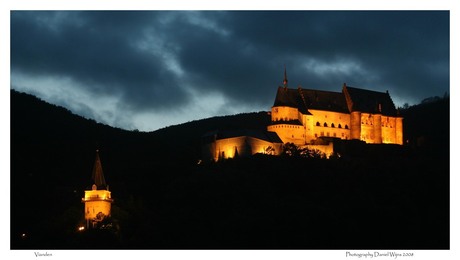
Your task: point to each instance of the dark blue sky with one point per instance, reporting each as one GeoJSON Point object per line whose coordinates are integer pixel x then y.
{"type": "Point", "coordinates": [149, 69]}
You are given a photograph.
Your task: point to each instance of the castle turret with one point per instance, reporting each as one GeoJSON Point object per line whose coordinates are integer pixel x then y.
{"type": "Point", "coordinates": [378, 125]}
{"type": "Point", "coordinates": [98, 200]}
{"type": "Point", "coordinates": [355, 125]}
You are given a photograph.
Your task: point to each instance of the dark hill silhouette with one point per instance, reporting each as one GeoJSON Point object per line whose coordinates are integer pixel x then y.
{"type": "Point", "coordinates": [163, 199]}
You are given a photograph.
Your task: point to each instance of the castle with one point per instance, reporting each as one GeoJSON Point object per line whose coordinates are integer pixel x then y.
{"type": "Point", "coordinates": [301, 116]}
{"type": "Point", "coordinates": [98, 200]}
{"type": "Point", "coordinates": [313, 119]}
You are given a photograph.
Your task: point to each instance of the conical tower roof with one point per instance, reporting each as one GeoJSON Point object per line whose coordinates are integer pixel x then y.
{"type": "Point", "coordinates": [98, 174]}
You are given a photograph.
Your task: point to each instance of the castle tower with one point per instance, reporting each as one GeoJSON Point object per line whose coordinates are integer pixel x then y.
{"type": "Point", "coordinates": [355, 125]}
{"type": "Point", "coordinates": [378, 125]}
{"type": "Point", "coordinates": [98, 200]}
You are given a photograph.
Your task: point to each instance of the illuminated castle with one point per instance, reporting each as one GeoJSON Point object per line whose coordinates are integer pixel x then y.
{"type": "Point", "coordinates": [97, 200]}
{"type": "Point", "coordinates": [302, 116]}
{"type": "Point", "coordinates": [314, 119]}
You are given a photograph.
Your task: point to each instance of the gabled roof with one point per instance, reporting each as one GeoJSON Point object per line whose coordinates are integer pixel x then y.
{"type": "Point", "coordinates": [369, 101]}
{"type": "Point", "coordinates": [325, 100]}
{"type": "Point", "coordinates": [349, 100]}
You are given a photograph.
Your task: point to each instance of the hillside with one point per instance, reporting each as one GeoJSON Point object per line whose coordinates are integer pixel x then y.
{"type": "Point", "coordinates": [163, 199]}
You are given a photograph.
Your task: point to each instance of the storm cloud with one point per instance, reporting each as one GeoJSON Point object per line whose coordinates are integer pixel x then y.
{"type": "Point", "coordinates": [149, 69]}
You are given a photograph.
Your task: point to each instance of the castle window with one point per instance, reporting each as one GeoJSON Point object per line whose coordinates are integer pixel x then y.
{"type": "Point", "coordinates": [325, 124]}
{"type": "Point", "coordinates": [318, 124]}
{"type": "Point", "coordinates": [343, 135]}
{"type": "Point", "coordinates": [346, 126]}
{"type": "Point", "coordinates": [316, 135]}
{"type": "Point", "coordinates": [332, 125]}
{"type": "Point", "coordinates": [340, 126]}
{"type": "Point", "coordinates": [335, 135]}
{"type": "Point", "coordinates": [322, 134]}
{"type": "Point", "coordinates": [327, 134]}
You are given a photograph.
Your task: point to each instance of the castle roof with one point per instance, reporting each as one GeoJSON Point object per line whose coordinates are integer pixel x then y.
{"type": "Point", "coordinates": [290, 98]}
{"type": "Point", "coordinates": [325, 100]}
{"type": "Point", "coordinates": [349, 100]}
{"type": "Point", "coordinates": [369, 101]}
{"type": "Point", "coordinates": [98, 175]}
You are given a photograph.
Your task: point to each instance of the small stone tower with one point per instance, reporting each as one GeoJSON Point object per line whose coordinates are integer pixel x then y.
{"type": "Point", "coordinates": [97, 200]}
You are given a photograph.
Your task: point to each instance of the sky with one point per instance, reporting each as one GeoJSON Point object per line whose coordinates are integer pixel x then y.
{"type": "Point", "coordinates": [146, 70]}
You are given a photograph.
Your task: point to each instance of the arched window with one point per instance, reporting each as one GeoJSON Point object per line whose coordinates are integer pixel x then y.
{"type": "Point", "coordinates": [332, 125]}
{"type": "Point", "coordinates": [340, 126]}
{"type": "Point", "coordinates": [318, 124]}
{"type": "Point", "coordinates": [325, 124]}
{"type": "Point", "coordinates": [346, 126]}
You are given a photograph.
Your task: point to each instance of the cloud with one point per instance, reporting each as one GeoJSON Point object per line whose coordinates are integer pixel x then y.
{"type": "Point", "coordinates": [183, 65]}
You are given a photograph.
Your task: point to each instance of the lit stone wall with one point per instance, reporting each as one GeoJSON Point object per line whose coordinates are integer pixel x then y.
{"type": "Point", "coordinates": [309, 128]}
{"type": "Point", "coordinates": [367, 128]}
{"type": "Point", "coordinates": [226, 148]}
{"type": "Point", "coordinates": [355, 125]}
{"type": "Point", "coordinates": [327, 150]}
{"type": "Point", "coordinates": [388, 130]}
{"type": "Point", "coordinates": [284, 114]}
{"type": "Point", "coordinates": [97, 201]}
{"type": "Point", "coordinates": [245, 145]}
{"type": "Point", "coordinates": [289, 133]}
{"type": "Point", "coordinates": [260, 146]}
{"type": "Point", "coordinates": [329, 124]}
{"type": "Point", "coordinates": [371, 128]}
{"type": "Point", "coordinates": [399, 130]}
{"type": "Point", "coordinates": [377, 128]}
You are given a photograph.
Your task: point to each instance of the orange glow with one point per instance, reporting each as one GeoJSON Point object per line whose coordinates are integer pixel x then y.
{"type": "Point", "coordinates": [371, 128]}
{"type": "Point", "coordinates": [242, 146]}
{"type": "Point", "coordinates": [97, 201]}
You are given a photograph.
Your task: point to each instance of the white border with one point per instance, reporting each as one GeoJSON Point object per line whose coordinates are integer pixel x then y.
{"type": "Point", "coordinates": [8, 5]}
